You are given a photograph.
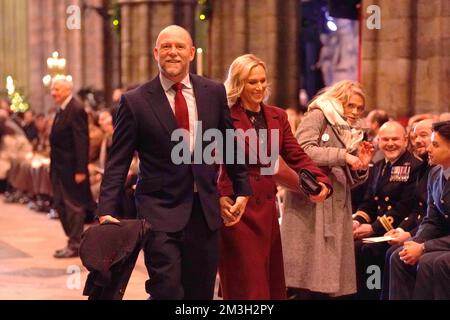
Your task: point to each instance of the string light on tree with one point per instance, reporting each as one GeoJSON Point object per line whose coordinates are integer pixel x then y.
{"type": "Point", "coordinates": [10, 85]}
{"type": "Point", "coordinates": [18, 103]}
{"type": "Point", "coordinates": [204, 9]}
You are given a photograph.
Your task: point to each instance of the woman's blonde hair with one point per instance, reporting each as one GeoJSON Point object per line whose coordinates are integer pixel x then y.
{"type": "Point", "coordinates": [237, 75]}
{"type": "Point", "coordinates": [341, 91]}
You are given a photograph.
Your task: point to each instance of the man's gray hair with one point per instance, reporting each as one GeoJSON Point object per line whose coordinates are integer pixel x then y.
{"type": "Point", "coordinates": [66, 80]}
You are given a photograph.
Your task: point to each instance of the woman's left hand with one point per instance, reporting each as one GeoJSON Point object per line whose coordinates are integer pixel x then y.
{"type": "Point", "coordinates": [232, 211]}
{"type": "Point", "coordinates": [322, 195]}
{"type": "Point", "coordinates": [365, 153]}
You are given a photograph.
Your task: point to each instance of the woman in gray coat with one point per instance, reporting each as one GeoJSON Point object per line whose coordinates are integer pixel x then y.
{"type": "Point", "coordinates": [317, 238]}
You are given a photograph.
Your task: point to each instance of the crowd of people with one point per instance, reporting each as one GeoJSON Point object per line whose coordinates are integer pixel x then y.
{"type": "Point", "coordinates": [377, 177]}
{"type": "Point", "coordinates": [25, 158]}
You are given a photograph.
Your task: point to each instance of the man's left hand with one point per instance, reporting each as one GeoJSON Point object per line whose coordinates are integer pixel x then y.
{"type": "Point", "coordinates": [411, 252]}
{"type": "Point", "coordinates": [80, 177]}
{"type": "Point", "coordinates": [363, 231]}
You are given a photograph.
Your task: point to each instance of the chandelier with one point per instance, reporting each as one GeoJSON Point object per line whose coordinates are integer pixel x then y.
{"type": "Point", "coordinates": [56, 67]}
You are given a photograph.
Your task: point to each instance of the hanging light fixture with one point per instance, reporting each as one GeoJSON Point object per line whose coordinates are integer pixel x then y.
{"type": "Point", "coordinates": [56, 66]}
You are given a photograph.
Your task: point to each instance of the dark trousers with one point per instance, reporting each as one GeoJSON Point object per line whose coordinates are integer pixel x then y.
{"type": "Point", "coordinates": [183, 265]}
{"type": "Point", "coordinates": [71, 214]}
{"type": "Point", "coordinates": [441, 270]}
{"type": "Point", "coordinates": [367, 255]}
{"type": "Point", "coordinates": [386, 273]}
{"type": "Point", "coordinates": [428, 280]}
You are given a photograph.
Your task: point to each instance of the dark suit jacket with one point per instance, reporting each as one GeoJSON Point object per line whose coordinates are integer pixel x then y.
{"type": "Point", "coordinates": [435, 227]}
{"type": "Point", "coordinates": [387, 203]}
{"type": "Point", "coordinates": [164, 191]}
{"type": "Point", "coordinates": [69, 141]}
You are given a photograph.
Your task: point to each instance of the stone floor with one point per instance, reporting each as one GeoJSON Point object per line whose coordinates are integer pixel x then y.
{"type": "Point", "coordinates": [27, 267]}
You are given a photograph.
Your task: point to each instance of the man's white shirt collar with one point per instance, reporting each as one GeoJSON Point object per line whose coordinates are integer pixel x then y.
{"type": "Point", "coordinates": [167, 84]}
{"type": "Point", "coordinates": [66, 102]}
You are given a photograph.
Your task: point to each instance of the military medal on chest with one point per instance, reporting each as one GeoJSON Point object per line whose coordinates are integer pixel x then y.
{"type": "Point", "coordinates": [400, 173]}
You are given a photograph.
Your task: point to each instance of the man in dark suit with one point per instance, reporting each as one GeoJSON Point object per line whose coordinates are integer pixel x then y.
{"type": "Point", "coordinates": [69, 141]}
{"type": "Point", "coordinates": [420, 268]}
{"type": "Point", "coordinates": [179, 200]}
{"type": "Point", "coordinates": [388, 201]}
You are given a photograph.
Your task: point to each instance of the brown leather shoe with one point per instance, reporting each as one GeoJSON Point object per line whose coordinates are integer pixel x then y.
{"type": "Point", "coordinates": [61, 250]}
{"type": "Point", "coordinates": [66, 253]}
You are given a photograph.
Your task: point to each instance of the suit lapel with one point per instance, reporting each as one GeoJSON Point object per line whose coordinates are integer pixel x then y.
{"type": "Point", "coordinates": [446, 187]}
{"type": "Point", "coordinates": [201, 100]}
{"type": "Point", "coordinates": [61, 116]}
{"type": "Point", "coordinates": [438, 190]}
{"type": "Point", "coordinates": [377, 175]}
{"type": "Point", "coordinates": [160, 106]}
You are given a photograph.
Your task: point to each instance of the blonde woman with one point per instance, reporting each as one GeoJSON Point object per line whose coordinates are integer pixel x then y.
{"type": "Point", "coordinates": [250, 259]}
{"type": "Point", "coordinates": [317, 237]}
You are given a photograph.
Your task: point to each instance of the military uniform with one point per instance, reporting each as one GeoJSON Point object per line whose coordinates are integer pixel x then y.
{"type": "Point", "coordinates": [430, 277]}
{"type": "Point", "coordinates": [412, 222]}
{"type": "Point", "coordinates": [389, 199]}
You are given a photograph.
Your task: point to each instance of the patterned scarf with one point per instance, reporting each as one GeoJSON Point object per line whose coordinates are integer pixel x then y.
{"type": "Point", "coordinates": [334, 113]}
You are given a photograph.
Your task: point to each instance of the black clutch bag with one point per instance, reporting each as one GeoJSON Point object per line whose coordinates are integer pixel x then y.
{"type": "Point", "coordinates": [308, 183]}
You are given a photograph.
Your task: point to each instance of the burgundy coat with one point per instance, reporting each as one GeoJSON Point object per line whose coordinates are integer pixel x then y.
{"type": "Point", "coordinates": [289, 148]}
{"type": "Point", "coordinates": [250, 260]}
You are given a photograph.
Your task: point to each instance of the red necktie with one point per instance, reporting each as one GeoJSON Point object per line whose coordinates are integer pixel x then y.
{"type": "Point", "coordinates": [181, 109]}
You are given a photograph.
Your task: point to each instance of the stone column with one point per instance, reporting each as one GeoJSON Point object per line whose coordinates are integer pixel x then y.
{"type": "Point", "coordinates": [14, 44]}
{"type": "Point", "coordinates": [82, 48]}
{"type": "Point", "coordinates": [432, 67]}
{"type": "Point", "coordinates": [92, 46]}
{"type": "Point", "coordinates": [405, 64]}
{"type": "Point", "coordinates": [142, 20]}
{"type": "Point", "coordinates": [268, 29]}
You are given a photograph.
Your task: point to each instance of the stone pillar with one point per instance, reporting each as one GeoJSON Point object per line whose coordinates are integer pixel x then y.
{"type": "Point", "coordinates": [82, 48]}
{"type": "Point", "coordinates": [142, 20]}
{"type": "Point", "coordinates": [405, 64]}
{"type": "Point", "coordinates": [92, 46]}
{"type": "Point", "coordinates": [268, 29]}
{"type": "Point", "coordinates": [432, 67]}
{"type": "Point", "coordinates": [14, 44]}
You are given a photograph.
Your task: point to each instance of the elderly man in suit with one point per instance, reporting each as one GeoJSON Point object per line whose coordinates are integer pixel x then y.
{"type": "Point", "coordinates": [180, 200]}
{"type": "Point", "coordinates": [69, 141]}
{"type": "Point", "coordinates": [420, 269]}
